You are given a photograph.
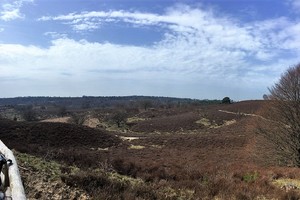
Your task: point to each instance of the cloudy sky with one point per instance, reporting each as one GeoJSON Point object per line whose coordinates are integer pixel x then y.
{"type": "Point", "coordinates": [204, 49]}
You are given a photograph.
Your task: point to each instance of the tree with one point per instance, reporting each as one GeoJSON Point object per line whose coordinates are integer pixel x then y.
{"type": "Point", "coordinates": [29, 114]}
{"type": "Point", "coordinates": [226, 100]}
{"type": "Point", "coordinates": [62, 111]}
{"type": "Point", "coordinates": [285, 108]}
{"type": "Point", "coordinates": [146, 104]}
{"type": "Point", "coordinates": [265, 97]}
{"type": "Point", "coordinates": [78, 118]}
{"type": "Point", "coordinates": [119, 117]}
{"type": "Point", "coordinates": [286, 97]}
{"type": "Point", "coordinates": [86, 104]}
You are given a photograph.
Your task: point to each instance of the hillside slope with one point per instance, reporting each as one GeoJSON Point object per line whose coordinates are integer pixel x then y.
{"type": "Point", "coordinates": [67, 142]}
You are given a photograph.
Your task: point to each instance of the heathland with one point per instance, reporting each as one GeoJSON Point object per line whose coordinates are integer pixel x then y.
{"type": "Point", "coordinates": [146, 148]}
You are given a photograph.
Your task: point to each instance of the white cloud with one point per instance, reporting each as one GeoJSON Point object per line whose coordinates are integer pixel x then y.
{"type": "Point", "coordinates": [295, 4]}
{"type": "Point", "coordinates": [12, 10]}
{"type": "Point", "coordinates": [56, 35]}
{"type": "Point", "coordinates": [197, 25]}
{"type": "Point", "coordinates": [81, 58]}
{"type": "Point", "coordinates": [86, 26]}
{"type": "Point", "coordinates": [88, 63]}
{"type": "Point", "coordinates": [8, 15]}
{"type": "Point", "coordinates": [92, 20]}
{"type": "Point", "coordinates": [278, 35]}
{"type": "Point", "coordinates": [198, 46]}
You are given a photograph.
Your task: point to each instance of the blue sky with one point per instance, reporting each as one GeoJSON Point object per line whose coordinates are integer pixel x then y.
{"type": "Point", "coordinates": [197, 49]}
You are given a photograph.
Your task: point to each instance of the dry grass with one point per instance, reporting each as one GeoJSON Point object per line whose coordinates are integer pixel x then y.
{"type": "Point", "coordinates": [135, 119]}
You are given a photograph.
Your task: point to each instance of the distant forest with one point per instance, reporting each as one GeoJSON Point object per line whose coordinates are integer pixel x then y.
{"type": "Point", "coordinates": [104, 102]}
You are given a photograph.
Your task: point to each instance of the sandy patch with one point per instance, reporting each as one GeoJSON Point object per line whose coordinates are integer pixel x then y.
{"type": "Point", "coordinates": [58, 119]}
{"type": "Point", "coordinates": [129, 138]}
{"type": "Point", "coordinates": [287, 184]}
{"type": "Point", "coordinates": [157, 146]}
{"type": "Point", "coordinates": [207, 123]}
{"type": "Point", "coordinates": [136, 147]}
{"type": "Point", "coordinates": [91, 122]}
{"type": "Point", "coordinates": [135, 119]}
{"type": "Point", "coordinates": [229, 122]}
{"type": "Point", "coordinates": [204, 122]}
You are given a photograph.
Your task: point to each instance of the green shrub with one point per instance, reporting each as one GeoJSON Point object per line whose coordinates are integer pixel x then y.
{"type": "Point", "coordinates": [250, 177]}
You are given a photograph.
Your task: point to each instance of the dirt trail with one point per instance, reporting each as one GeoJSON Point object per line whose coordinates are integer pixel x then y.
{"type": "Point", "coordinates": [254, 115]}
{"type": "Point", "coordinates": [245, 114]}
{"type": "Point", "coordinates": [129, 138]}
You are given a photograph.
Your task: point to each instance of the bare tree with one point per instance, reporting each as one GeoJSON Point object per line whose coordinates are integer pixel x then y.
{"type": "Point", "coordinates": [285, 108]}
{"type": "Point", "coordinates": [286, 98]}
{"type": "Point", "coordinates": [146, 104]}
{"type": "Point", "coordinates": [29, 114]}
{"type": "Point", "coordinates": [78, 118]}
{"type": "Point", "coordinates": [62, 111]}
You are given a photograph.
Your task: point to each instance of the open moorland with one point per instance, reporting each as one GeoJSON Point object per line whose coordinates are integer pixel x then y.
{"type": "Point", "coordinates": [151, 151]}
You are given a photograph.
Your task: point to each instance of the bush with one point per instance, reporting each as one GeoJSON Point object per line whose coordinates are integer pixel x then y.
{"type": "Point", "coordinates": [119, 118]}
{"type": "Point", "coordinates": [125, 168]}
{"type": "Point", "coordinates": [29, 114]}
{"type": "Point", "coordinates": [226, 100]}
{"type": "Point", "coordinates": [250, 177]}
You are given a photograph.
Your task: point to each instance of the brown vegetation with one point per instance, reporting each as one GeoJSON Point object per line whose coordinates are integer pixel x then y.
{"type": "Point", "coordinates": [177, 157]}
